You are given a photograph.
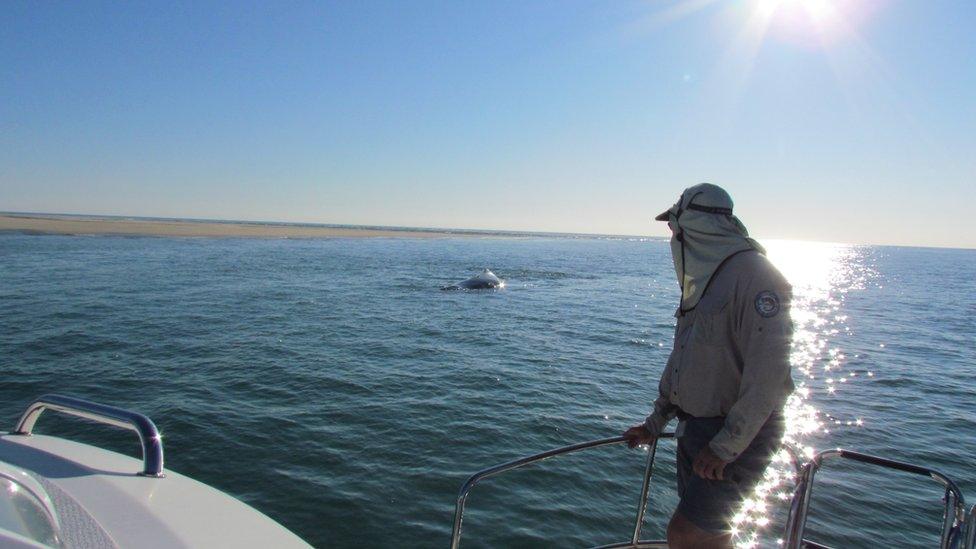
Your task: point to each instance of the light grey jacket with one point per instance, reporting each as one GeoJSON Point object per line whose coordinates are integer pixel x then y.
{"type": "Point", "coordinates": [731, 355]}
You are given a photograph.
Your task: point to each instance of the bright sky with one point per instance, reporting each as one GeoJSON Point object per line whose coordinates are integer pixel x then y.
{"type": "Point", "coordinates": [835, 120]}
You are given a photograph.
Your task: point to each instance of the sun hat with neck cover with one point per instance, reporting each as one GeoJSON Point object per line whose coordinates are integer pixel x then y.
{"type": "Point", "coordinates": [705, 234]}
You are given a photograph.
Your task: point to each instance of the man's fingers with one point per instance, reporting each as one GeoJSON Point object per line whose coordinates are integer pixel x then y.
{"type": "Point", "coordinates": [636, 436]}
{"type": "Point", "coordinates": [713, 470]}
{"type": "Point", "coordinates": [707, 468]}
{"type": "Point", "coordinates": [631, 437]}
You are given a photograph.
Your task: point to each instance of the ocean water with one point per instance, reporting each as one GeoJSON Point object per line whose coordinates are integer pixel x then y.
{"type": "Point", "coordinates": [332, 385]}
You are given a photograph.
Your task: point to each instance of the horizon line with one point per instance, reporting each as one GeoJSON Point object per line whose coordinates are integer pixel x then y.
{"type": "Point", "coordinates": [445, 230]}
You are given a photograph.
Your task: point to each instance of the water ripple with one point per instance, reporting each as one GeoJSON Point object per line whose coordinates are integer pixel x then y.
{"type": "Point", "coordinates": [331, 384]}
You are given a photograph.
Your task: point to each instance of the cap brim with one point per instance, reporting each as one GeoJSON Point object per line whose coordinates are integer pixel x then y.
{"type": "Point", "coordinates": [664, 216]}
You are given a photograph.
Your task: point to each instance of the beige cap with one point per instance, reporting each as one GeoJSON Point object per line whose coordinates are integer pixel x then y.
{"type": "Point", "coordinates": [703, 197]}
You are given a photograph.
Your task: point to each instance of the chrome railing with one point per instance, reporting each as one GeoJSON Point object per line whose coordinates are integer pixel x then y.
{"type": "Point", "coordinates": [152, 442]}
{"type": "Point", "coordinates": [635, 540]}
{"type": "Point", "coordinates": [970, 541]}
{"type": "Point", "coordinates": [958, 528]}
{"type": "Point", "coordinates": [954, 518]}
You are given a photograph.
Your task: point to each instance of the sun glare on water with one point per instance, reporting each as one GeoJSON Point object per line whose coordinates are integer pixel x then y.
{"type": "Point", "coordinates": [809, 266]}
{"type": "Point", "coordinates": [821, 275]}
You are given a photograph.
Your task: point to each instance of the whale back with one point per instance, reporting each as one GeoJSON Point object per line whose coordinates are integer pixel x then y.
{"type": "Point", "coordinates": [482, 281]}
{"type": "Point", "coordinates": [488, 277]}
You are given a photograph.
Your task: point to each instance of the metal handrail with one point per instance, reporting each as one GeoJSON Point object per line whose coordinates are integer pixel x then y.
{"type": "Point", "coordinates": [515, 464]}
{"type": "Point", "coordinates": [152, 441]}
{"type": "Point", "coordinates": [955, 508]}
{"type": "Point", "coordinates": [970, 541]}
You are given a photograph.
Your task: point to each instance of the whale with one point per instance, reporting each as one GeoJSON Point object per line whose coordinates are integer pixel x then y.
{"type": "Point", "coordinates": [486, 280]}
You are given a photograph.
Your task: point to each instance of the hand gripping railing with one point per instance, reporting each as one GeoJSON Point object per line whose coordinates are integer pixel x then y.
{"type": "Point", "coordinates": [152, 442]}
{"type": "Point", "coordinates": [635, 540]}
{"type": "Point", "coordinates": [954, 518]}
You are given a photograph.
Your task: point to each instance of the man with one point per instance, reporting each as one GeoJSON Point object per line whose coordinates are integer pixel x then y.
{"type": "Point", "coordinates": [728, 375]}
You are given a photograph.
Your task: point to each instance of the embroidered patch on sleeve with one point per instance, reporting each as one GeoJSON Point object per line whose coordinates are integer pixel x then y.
{"type": "Point", "coordinates": [767, 304]}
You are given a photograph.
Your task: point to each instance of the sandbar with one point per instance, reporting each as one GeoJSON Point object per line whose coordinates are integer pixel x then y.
{"type": "Point", "coordinates": [93, 225]}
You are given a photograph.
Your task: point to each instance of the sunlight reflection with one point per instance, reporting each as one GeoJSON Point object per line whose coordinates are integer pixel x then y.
{"type": "Point", "coordinates": [821, 275]}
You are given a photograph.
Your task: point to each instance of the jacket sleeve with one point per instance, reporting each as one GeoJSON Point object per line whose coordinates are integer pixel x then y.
{"type": "Point", "coordinates": [663, 410]}
{"type": "Point", "coordinates": [763, 334]}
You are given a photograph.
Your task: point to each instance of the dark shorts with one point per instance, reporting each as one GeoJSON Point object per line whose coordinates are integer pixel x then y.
{"type": "Point", "coordinates": [711, 504]}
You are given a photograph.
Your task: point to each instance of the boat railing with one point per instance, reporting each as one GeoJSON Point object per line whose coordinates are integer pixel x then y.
{"type": "Point", "coordinates": [955, 522]}
{"type": "Point", "coordinates": [970, 541]}
{"type": "Point", "coordinates": [958, 528]}
{"type": "Point", "coordinates": [149, 437]}
{"type": "Point", "coordinates": [635, 540]}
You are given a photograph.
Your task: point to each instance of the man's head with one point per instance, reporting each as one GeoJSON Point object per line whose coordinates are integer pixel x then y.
{"type": "Point", "coordinates": [705, 234]}
{"type": "Point", "coordinates": [703, 197]}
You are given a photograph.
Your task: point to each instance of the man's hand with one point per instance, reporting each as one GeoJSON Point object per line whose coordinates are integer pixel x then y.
{"type": "Point", "coordinates": [638, 435]}
{"type": "Point", "coordinates": [707, 465]}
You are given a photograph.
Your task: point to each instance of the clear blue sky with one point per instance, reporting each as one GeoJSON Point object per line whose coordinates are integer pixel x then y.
{"type": "Point", "coordinates": [837, 120]}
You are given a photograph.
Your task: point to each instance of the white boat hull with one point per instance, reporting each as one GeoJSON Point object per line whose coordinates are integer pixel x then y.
{"type": "Point", "coordinates": [101, 500]}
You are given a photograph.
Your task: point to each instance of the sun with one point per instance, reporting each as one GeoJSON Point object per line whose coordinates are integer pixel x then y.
{"type": "Point", "coordinates": [818, 23]}
{"type": "Point", "coordinates": [816, 10]}
{"type": "Point", "coordinates": [829, 28]}
{"type": "Point", "coordinates": [813, 23]}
